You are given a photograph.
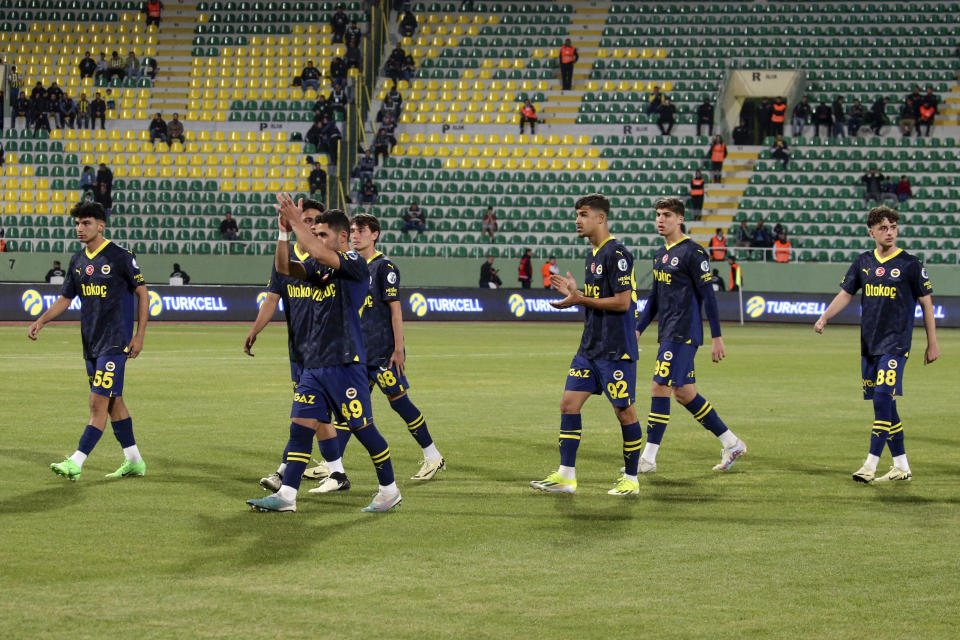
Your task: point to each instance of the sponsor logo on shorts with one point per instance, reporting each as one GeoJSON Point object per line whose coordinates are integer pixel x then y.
{"type": "Point", "coordinates": [891, 364]}
{"type": "Point", "coordinates": [668, 355]}
{"type": "Point", "coordinates": [351, 393]}
{"type": "Point", "coordinates": [110, 366]}
{"type": "Point", "coordinates": [618, 375]}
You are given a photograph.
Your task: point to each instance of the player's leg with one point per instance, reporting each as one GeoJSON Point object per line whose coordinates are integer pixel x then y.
{"type": "Point", "coordinates": [393, 383]}
{"type": "Point", "coordinates": [100, 392]}
{"type": "Point", "coordinates": [335, 478]}
{"type": "Point", "coordinates": [882, 380]}
{"type": "Point", "coordinates": [704, 413]}
{"type": "Point", "coordinates": [619, 380]}
{"type": "Point", "coordinates": [667, 372]}
{"type": "Point", "coordinates": [122, 423]}
{"type": "Point", "coordinates": [901, 468]}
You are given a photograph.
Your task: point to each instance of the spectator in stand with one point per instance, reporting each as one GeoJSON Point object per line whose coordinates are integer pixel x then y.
{"type": "Point", "coordinates": [389, 107]}
{"type": "Point", "coordinates": [368, 192]}
{"type": "Point", "coordinates": [839, 117]}
{"type": "Point", "coordinates": [856, 115]}
{"type": "Point", "coordinates": [488, 275]}
{"type": "Point", "coordinates": [489, 224]}
{"type": "Point", "coordinates": [353, 56]}
{"type": "Point", "coordinates": [778, 116]}
{"type": "Point", "coordinates": [654, 101]}
{"type": "Point", "coordinates": [318, 181]}
{"type": "Point", "coordinates": [338, 70]}
{"type": "Point", "coordinates": [415, 219]}
{"type": "Point", "coordinates": [930, 98]}
{"type": "Point", "coordinates": [778, 229]}
{"type": "Point", "coordinates": [104, 199]}
{"type": "Point", "coordinates": [154, 11]}
{"type": "Point", "coordinates": [86, 179]}
{"type": "Point", "coordinates": [108, 98]}
{"type": "Point", "coordinates": [98, 109]}
{"type": "Point", "coordinates": [366, 165]}
{"type": "Point", "coordinates": [888, 191]}
{"type": "Point", "coordinates": [525, 269]}
{"type": "Point", "coordinates": [41, 109]}
{"type": "Point", "coordinates": [338, 23]}
{"type": "Point", "coordinates": [116, 67]}
{"type": "Point", "coordinates": [741, 134]}
{"type": "Point", "coordinates": [175, 130]}
{"type": "Point", "coordinates": [408, 24]}
{"type": "Point", "coordinates": [549, 269]}
{"type": "Point", "coordinates": [764, 111]}
{"type": "Point", "coordinates": [310, 77]}
{"type": "Point", "coordinates": [158, 129]}
{"type": "Point", "coordinates": [180, 273]}
{"type": "Point", "coordinates": [54, 93]}
{"type": "Point", "coordinates": [780, 151]}
{"type": "Point", "coordinates": [873, 180]}
{"type": "Point", "coordinates": [133, 66]}
{"type": "Point", "coordinates": [908, 118]}
{"type": "Point", "coordinates": [705, 117]}
{"type": "Point", "coordinates": [329, 142]}
{"type": "Point", "coordinates": [389, 126]}
{"type": "Point", "coordinates": [83, 112]}
{"type": "Point", "coordinates": [228, 227]}
{"type": "Point", "coordinates": [718, 246]}
{"type": "Point", "coordinates": [718, 152]}
{"type": "Point", "coordinates": [87, 66]}
{"type": "Point", "coordinates": [781, 248]}
{"type": "Point", "coordinates": [744, 235]}
{"type": "Point", "coordinates": [149, 67]}
{"type": "Point", "coordinates": [665, 117]}
{"type": "Point", "coordinates": [103, 67]}
{"type": "Point", "coordinates": [717, 282]}
{"type": "Point", "coordinates": [927, 112]}
{"type": "Point", "coordinates": [3, 155]}
{"type": "Point", "coordinates": [67, 112]}
{"type": "Point", "coordinates": [801, 115]}
{"type": "Point", "coordinates": [697, 188]}
{"type": "Point", "coordinates": [56, 272]}
{"type": "Point", "coordinates": [528, 114]}
{"type": "Point", "coordinates": [762, 238]}
{"type": "Point", "coordinates": [15, 81]}
{"type": "Point", "coordinates": [104, 177]}
{"type": "Point", "coordinates": [353, 34]}
{"type": "Point", "coordinates": [878, 114]}
{"type": "Point", "coordinates": [903, 189]}
{"type": "Point", "coordinates": [394, 64]}
{"type": "Point", "coordinates": [568, 57]}
{"type": "Point", "coordinates": [21, 109]}
{"type": "Point", "coordinates": [396, 98]}
{"type": "Point", "coordinates": [822, 117]}
{"type": "Point", "coordinates": [381, 145]}
{"type": "Point", "coordinates": [338, 99]}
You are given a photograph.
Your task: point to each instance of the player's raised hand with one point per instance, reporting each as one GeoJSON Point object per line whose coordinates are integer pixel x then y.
{"type": "Point", "coordinates": [718, 352]}
{"type": "Point", "coordinates": [135, 347]}
{"type": "Point", "coordinates": [248, 344]}
{"type": "Point", "coordinates": [34, 330]}
{"type": "Point", "coordinates": [931, 354]}
{"type": "Point", "coordinates": [287, 208]}
{"type": "Point", "coordinates": [820, 324]}
{"type": "Point", "coordinates": [282, 222]}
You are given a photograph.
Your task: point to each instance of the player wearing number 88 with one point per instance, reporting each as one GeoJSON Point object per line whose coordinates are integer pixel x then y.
{"type": "Point", "coordinates": [893, 282]}
{"type": "Point", "coordinates": [108, 281]}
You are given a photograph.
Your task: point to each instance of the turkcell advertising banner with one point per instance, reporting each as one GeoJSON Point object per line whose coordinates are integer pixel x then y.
{"type": "Point", "coordinates": [241, 303]}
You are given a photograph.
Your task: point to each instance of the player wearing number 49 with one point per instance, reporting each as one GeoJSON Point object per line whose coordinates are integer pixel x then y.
{"type": "Point", "coordinates": [681, 284]}
{"type": "Point", "coordinates": [893, 282]}
{"type": "Point", "coordinates": [606, 361]}
{"type": "Point", "coordinates": [107, 278]}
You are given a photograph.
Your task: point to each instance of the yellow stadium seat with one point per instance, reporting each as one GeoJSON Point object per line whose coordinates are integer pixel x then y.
{"type": "Point", "coordinates": [26, 170]}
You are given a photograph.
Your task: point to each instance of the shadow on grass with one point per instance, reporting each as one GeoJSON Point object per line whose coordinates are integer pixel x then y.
{"type": "Point", "coordinates": [43, 458]}
{"type": "Point", "coordinates": [67, 494]}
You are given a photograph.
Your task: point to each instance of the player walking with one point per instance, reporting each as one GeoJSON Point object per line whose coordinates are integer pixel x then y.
{"type": "Point", "coordinates": [107, 279]}
{"type": "Point", "coordinates": [893, 282]}
{"type": "Point", "coordinates": [607, 357]}
{"type": "Point", "coordinates": [681, 284]}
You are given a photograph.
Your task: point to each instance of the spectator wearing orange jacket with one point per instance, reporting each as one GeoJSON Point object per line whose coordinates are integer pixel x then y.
{"type": "Point", "coordinates": [528, 114]}
{"type": "Point", "coordinates": [548, 269]}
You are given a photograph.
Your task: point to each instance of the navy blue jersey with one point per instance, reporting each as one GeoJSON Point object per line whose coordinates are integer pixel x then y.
{"type": "Point", "coordinates": [297, 305]}
{"type": "Point", "coordinates": [679, 271]}
{"type": "Point", "coordinates": [609, 335]}
{"type": "Point", "coordinates": [105, 281]}
{"type": "Point", "coordinates": [375, 319]}
{"type": "Point", "coordinates": [890, 290]}
{"type": "Point", "coordinates": [334, 336]}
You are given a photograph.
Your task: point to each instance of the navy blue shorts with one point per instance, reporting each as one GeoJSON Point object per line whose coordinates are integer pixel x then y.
{"type": "Point", "coordinates": [617, 379]}
{"type": "Point", "coordinates": [105, 375]}
{"type": "Point", "coordinates": [296, 370]}
{"type": "Point", "coordinates": [389, 379]}
{"type": "Point", "coordinates": [674, 366]}
{"type": "Point", "coordinates": [340, 391]}
{"type": "Point", "coordinates": [882, 373]}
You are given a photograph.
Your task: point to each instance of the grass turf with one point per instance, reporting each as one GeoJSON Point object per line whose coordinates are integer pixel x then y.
{"type": "Point", "coordinates": [783, 545]}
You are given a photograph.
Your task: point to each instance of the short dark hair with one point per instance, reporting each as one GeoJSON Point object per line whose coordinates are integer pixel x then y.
{"type": "Point", "coordinates": [310, 203]}
{"type": "Point", "coordinates": [366, 221]}
{"type": "Point", "coordinates": [89, 210]}
{"type": "Point", "coordinates": [594, 201]}
{"type": "Point", "coordinates": [336, 219]}
{"type": "Point", "coordinates": [671, 203]}
{"type": "Point", "coordinates": [878, 214]}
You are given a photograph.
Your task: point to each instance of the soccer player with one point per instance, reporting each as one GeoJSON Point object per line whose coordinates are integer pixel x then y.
{"type": "Point", "coordinates": [607, 357]}
{"type": "Point", "coordinates": [334, 377]}
{"type": "Point", "coordinates": [893, 282]}
{"type": "Point", "coordinates": [682, 283]}
{"type": "Point", "coordinates": [297, 309]}
{"type": "Point", "coordinates": [382, 324]}
{"type": "Point", "coordinates": [107, 279]}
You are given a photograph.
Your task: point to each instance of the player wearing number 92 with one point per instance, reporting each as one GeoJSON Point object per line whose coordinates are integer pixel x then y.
{"type": "Point", "coordinates": [607, 358]}
{"type": "Point", "coordinates": [107, 279]}
{"type": "Point", "coordinates": [893, 282]}
{"type": "Point", "coordinates": [681, 284]}
{"type": "Point", "coordinates": [334, 377]}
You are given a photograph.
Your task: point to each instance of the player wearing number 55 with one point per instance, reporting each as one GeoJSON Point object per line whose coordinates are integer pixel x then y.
{"type": "Point", "coordinates": [111, 289]}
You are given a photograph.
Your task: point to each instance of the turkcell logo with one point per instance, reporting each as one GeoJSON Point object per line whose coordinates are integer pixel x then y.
{"type": "Point", "coordinates": [36, 303]}
{"type": "Point", "coordinates": [159, 304]}
{"type": "Point", "coordinates": [937, 312]}
{"type": "Point", "coordinates": [261, 298]}
{"type": "Point", "coordinates": [421, 305]}
{"type": "Point", "coordinates": [757, 306]}
{"type": "Point", "coordinates": [520, 306]}
{"type": "Point", "coordinates": [156, 304]}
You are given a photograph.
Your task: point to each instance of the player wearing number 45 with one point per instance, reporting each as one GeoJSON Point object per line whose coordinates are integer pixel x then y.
{"type": "Point", "coordinates": [606, 361]}
{"type": "Point", "coordinates": [682, 282]}
{"type": "Point", "coordinates": [893, 282]}
{"type": "Point", "coordinates": [107, 279]}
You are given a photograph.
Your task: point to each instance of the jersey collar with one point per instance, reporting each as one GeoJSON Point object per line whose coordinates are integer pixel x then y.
{"type": "Point", "coordinates": [93, 255]}
{"type": "Point", "coordinates": [671, 246]}
{"type": "Point", "coordinates": [374, 257]}
{"type": "Point", "coordinates": [301, 255]}
{"type": "Point", "coordinates": [892, 255]}
{"type": "Point", "coordinates": [600, 246]}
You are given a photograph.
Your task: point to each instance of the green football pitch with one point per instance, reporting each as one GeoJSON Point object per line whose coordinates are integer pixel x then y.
{"type": "Point", "coordinates": [784, 545]}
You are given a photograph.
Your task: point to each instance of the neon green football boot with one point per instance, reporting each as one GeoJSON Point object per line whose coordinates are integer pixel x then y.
{"type": "Point", "coordinates": [129, 469]}
{"type": "Point", "coordinates": [555, 483]}
{"type": "Point", "coordinates": [68, 469]}
{"type": "Point", "coordinates": [624, 487]}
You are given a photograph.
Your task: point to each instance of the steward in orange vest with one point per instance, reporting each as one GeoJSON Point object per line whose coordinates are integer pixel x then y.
{"type": "Point", "coordinates": [528, 114]}
{"type": "Point", "coordinates": [718, 151]}
{"type": "Point", "coordinates": [781, 249]}
{"type": "Point", "coordinates": [153, 11]}
{"type": "Point", "coordinates": [568, 56]}
{"type": "Point", "coordinates": [778, 116]}
{"type": "Point", "coordinates": [718, 246]}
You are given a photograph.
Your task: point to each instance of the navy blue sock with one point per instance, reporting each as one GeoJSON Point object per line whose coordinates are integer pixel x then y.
{"type": "Point", "coordinates": [704, 414]}
{"type": "Point", "coordinates": [895, 441]}
{"type": "Point", "coordinates": [123, 430]}
{"type": "Point", "coordinates": [658, 419]}
{"type": "Point", "coordinates": [379, 451]}
{"type": "Point", "coordinates": [343, 437]}
{"type": "Point", "coordinates": [632, 437]}
{"type": "Point", "coordinates": [414, 419]}
{"type": "Point", "coordinates": [89, 439]}
{"type": "Point", "coordinates": [298, 454]}
{"type": "Point", "coordinates": [882, 405]}
{"type": "Point", "coordinates": [330, 448]}
{"type": "Point", "coordinates": [570, 427]}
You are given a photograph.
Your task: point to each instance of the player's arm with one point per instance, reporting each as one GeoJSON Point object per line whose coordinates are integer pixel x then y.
{"type": "Point", "coordinates": [619, 302]}
{"type": "Point", "coordinates": [838, 304]}
{"type": "Point", "coordinates": [281, 257]}
{"type": "Point", "coordinates": [930, 325]}
{"type": "Point", "coordinates": [143, 314]}
{"type": "Point", "coordinates": [267, 309]}
{"type": "Point", "coordinates": [705, 296]}
{"type": "Point", "coordinates": [396, 322]}
{"type": "Point", "coordinates": [292, 214]}
{"type": "Point", "coordinates": [649, 311]}
{"type": "Point", "coordinates": [59, 306]}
